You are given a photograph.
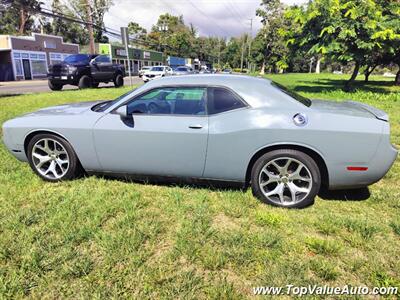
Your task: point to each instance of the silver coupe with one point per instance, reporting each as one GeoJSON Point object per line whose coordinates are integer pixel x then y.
{"type": "Point", "coordinates": [212, 127]}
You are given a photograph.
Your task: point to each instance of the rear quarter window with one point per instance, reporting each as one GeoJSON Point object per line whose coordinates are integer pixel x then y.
{"type": "Point", "coordinates": [222, 100]}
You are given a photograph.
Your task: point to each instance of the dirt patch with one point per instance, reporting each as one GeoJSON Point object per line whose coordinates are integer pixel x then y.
{"type": "Point", "coordinates": [223, 222]}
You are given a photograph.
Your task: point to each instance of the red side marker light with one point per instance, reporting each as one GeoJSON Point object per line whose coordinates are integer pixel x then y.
{"type": "Point", "coordinates": [357, 168]}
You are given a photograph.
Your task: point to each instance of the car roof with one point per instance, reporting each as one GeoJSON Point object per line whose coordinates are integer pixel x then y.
{"type": "Point", "coordinates": [256, 91]}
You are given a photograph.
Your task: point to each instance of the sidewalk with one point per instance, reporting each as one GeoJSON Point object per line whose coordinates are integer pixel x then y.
{"type": "Point", "coordinates": [23, 82]}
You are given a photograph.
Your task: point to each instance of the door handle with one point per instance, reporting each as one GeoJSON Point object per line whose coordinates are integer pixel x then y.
{"type": "Point", "coordinates": [197, 126]}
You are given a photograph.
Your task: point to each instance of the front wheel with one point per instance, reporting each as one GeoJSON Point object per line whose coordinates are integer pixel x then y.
{"type": "Point", "coordinates": [52, 158]}
{"type": "Point", "coordinates": [286, 178]}
{"type": "Point", "coordinates": [55, 86]}
{"type": "Point", "coordinates": [118, 80]}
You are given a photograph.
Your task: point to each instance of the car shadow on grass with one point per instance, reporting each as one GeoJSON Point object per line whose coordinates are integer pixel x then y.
{"type": "Point", "coordinates": [9, 95]}
{"type": "Point", "coordinates": [175, 182]}
{"type": "Point", "coordinates": [359, 194]}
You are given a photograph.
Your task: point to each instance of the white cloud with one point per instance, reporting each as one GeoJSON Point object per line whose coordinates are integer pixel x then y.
{"type": "Point", "coordinates": [210, 17]}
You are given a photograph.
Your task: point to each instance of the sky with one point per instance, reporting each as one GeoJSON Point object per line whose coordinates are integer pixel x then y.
{"type": "Point", "coordinates": [223, 18]}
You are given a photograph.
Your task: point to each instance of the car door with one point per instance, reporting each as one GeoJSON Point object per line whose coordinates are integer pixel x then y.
{"type": "Point", "coordinates": [230, 135]}
{"type": "Point", "coordinates": [166, 135]}
{"type": "Point", "coordinates": [100, 68]}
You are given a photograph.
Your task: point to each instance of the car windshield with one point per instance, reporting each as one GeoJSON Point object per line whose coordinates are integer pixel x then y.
{"type": "Point", "coordinates": [103, 106]}
{"type": "Point", "coordinates": [78, 58]}
{"type": "Point", "coordinates": [294, 95]}
{"type": "Point", "coordinates": [158, 69]}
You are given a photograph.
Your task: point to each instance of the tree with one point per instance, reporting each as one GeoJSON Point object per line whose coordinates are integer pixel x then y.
{"type": "Point", "coordinates": [16, 16]}
{"type": "Point", "coordinates": [172, 36]}
{"type": "Point", "coordinates": [71, 32]}
{"type": "Point", "coordinates": [137, 31]}
{"type": "Point", "coordinates": [270, 40]}
{"type": "Point", "coordinates": [345, 30]}
{"type": "Point", "coordinates": [97, 8]}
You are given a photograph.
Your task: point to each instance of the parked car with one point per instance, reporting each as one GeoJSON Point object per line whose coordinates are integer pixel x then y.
{"type": "Point", "coordinates": [156, 72]}
{"type": "Point", "coordinates": [85, 71]}
{"type": "Point", "coordinates": [226, 71]}
{"type": "Point", "coordinates": [205, 71]}
{"type": "Point", "coordinates": [212, 127]}
{"type": "Point", "coordinates": [143, 70]}
{"type": "Point", "coordinates": [182, 70]}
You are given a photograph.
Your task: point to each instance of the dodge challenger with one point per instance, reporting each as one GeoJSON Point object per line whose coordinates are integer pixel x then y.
{"type": "Point", "coordinates": [226, 128]}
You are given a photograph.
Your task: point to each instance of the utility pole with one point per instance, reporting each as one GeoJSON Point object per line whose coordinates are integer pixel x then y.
{"type": "Point", "coordinates": [251, 37]}
{"type": "Point", "coordinates": [219, 53]}
{"type": "Point", "coordinates": [241, 60]}
{"type": "Point", "coordinates": [90, 27]}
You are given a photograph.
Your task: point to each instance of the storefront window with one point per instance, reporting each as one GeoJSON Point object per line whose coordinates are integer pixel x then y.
{"type": "Point", "coordinates": [18, 67]}
{"type": "Point", "coordinates": [39, 67]}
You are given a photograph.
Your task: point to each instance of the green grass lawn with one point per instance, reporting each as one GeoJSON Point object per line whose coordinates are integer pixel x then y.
{"type": "Point", "coordinates": [102, 238]}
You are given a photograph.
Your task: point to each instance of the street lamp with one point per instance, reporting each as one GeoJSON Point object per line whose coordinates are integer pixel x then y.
{"type": "Point", "coordinates": [162, 28]}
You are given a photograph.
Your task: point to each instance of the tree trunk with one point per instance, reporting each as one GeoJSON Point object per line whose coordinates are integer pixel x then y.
{"type": "Point", "coordinates": [318, 66]}
{"type": "Point", "coordinates": [397, 79]}
{"type": "Point", "coordinates": [368, 72]}
{"type": "Point", "coordinates": [22, 20]}
{"type": "Point", "coordinates": [262, 71]}
{"type": "Point", "coordinates": [349, 84]}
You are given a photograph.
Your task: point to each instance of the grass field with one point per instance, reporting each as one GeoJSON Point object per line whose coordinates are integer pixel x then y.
{"type": "Point", "coordinates": [103, 238]}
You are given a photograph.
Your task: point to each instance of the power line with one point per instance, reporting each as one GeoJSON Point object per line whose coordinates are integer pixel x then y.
{"type": "Point", "coordinates": [109, 31]}
{"type": "Point", "coordinates": [204, 14]}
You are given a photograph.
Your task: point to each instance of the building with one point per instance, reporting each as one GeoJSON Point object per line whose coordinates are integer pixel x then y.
{"type": "Point", "coordinates": [174, 61]}
{"type": "Point", "coordinates": [28, 57]}
{"type": "Point", "coordinates": [138, 57]}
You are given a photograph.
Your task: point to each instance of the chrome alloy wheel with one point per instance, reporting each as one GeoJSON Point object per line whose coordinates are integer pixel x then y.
{"type": "Point", "coordinates": [285, 181]}
{"type": "Point", "coordinates": [50, 158]}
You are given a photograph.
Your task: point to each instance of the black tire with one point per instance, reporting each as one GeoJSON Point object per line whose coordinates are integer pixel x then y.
{"type": "Point", "coordinates": [85, 82]}
{"type": "Point", "coordinates": [118, 80]}
{"type": "Point", "coordinates": [311, 169]}
{"type": "Point", "coordinates": [95, 84]}
{"type": "Point", "coordinates": [55, 86]}
{"type": "Point", "coordinates": [74, 168]}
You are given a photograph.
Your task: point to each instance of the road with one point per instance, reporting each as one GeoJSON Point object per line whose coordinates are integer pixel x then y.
{"type": "Point", "coordinates": [39, 86]}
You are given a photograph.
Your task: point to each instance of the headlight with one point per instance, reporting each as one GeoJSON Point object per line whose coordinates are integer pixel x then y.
{"type": "Point", "coordinates": [72, 69]}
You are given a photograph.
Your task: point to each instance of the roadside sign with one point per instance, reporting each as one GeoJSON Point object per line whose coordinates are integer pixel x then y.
{"type": "Point", "coordinates": [125, 35]}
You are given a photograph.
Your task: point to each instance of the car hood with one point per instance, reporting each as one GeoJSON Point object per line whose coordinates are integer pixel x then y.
{"type": "Point", "coordinates": [153, 73]}
{"type": "Point", "coordinates": [65, 109]}
{"type": "Point", "coordinates": [351, 108]}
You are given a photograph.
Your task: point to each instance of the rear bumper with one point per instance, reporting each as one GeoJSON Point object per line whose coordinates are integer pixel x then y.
{"type": "Point", "coordinates": [378, 167]}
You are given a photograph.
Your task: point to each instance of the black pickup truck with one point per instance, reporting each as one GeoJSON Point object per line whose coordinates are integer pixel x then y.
{"type": "Point", "coordinates": [85, 71]}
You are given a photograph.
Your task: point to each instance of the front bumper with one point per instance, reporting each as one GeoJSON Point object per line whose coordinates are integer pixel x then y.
{"type": "Point", "coordinates": [147, 78]}
{"type": "Point", "coordinates": [62, 78]}
{"type": "Point", "coordinates": [15, 149]}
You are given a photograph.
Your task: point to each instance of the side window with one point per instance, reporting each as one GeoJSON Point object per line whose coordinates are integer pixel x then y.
{"type": "Point", "coordinates": [102, 59]}
{"type": "Point", "coordinates": [170, 100]}
{"type": "Point", "coordinates": [221, 99]}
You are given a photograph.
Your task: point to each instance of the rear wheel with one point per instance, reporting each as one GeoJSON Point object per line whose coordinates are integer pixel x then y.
{"type": "Point", "coordinates": [85, 82]}
{"type": "Point", "coordinates": [52, 158]}
{"type": "Point", "coordinates": [118, 80]}
{"type": "Point", "coordinates": [286, 178]}
{"type": "Point", "coordinates": [55, 86]}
